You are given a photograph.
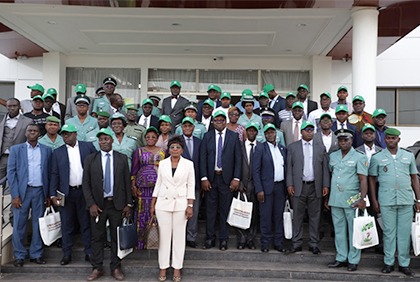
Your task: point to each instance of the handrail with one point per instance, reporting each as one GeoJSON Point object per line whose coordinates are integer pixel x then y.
{"type": "Point", "coordinates": [5, 222]}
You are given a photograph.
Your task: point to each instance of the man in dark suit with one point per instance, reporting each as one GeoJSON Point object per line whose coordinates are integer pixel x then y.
{"type": "Point", "coordinates": [147, 119]}
{"type": "Point", "coordinates": [107, 191]}
{"type": "Point", "coordinates": [28, 175]}
{"type": "Point", "coordinates": [213, 92]}
{"type": "Point", "coordinates": [66, 177]}
{"type": "Point", "coordinates": [57, 107]}
{"type": "Point", "coordinates": [174, 105]}
{"type": "Point", "coordinates": [192, 153]}
{"type": "Point", "coordinates": [302, 95]}
{"type": "Point", "coordinates": [246, 237]}
{"type": "Point", "coordinates": [379, 122]}
{"type": "Point", "coordinates": [325, 135]}
{"type": "Point", "coordinates": [277, 103]}
{"type": "Point", "coordinates": [12, 132]}
{"type": "Point", "coordinates": [368, 135]}
{"type": "Point", "coordinates": [308, 180]}
{"type": "Point", "coordinates": [269, 173]}
{"type": "Point", "coordinates": [220, 172]}
{"type": "Point", "coordinates": [341, 114]}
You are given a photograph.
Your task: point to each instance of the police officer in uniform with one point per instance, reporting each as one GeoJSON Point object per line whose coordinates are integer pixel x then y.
{"type": "Point", "coordinates": [349, 177]}
{"type": "Point", "coordinates": [133, 129]}
{"type": "Point", "coordinates": [83, 122]}
{"type": "Point", "coordinates": [395, 170]}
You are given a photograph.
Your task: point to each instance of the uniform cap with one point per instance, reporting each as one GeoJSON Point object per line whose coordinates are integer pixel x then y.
{"type": "Point", "coordinates": [53, 119]}
{"type": "Point", "coordinates": [344, 133]}
{"type": "Point", "coordinates": [37, 87]}
{"type": "Point", "coordinates": [100, 90]}
{"type": "Point", "coordinates": [190, 106]}
{"type": "Point", "coordinates": [118, 116]}
{"type": "Point", "coordinates": [110, 80]}
{"type": "Point", "coordinates": [82, 98]}
{"type": "Point", "coordinates": [247, 99]}
{"type": "Point", "coordinates": [392, 131]}
{"type": "Point", "coordinates": [268, 112]}
{"type": "Point", "coordinates": [103, 114]}
{"type": "Point", "coordinates": [154, 98]}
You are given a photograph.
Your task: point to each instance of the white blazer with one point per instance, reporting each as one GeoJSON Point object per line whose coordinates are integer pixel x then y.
{"type": "Point", "coordinates": [172, 193]}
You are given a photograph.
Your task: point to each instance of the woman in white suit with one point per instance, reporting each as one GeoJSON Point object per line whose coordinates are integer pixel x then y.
{"type": "Point", "coordinates": [172, 201]}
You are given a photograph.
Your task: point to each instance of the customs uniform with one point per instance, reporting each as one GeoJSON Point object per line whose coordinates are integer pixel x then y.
{"type": "Point", "coordinates": [88, 125]}
{"type": "Point", "coordinates": [137, 133]}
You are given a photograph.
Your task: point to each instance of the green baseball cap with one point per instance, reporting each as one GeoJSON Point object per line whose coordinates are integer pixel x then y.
{"type": "Point", "coordinates": [368, 126]}
{"type": "Point", "coordinates": [358, 98]}
{"type": "Point", "coordinates": [219, 113]}
{"type": "Point", "coordinates": [103, 114]}
{"type": "Point", "coordinates": [392, 131]}
{"type": "Point", "coordinates": [105, 131]}
{"type": "Point", "coordinates": [209, 102]}
{"type": "Point", "coordinates": [269, 126]}
{"type": "Point", "coordinates": [378, 112]}
{"type": "Point", "coordinates": [325, 115]}
{"type": "Point", "coordinates": [326, 94]}
{"type": "Point", "coordinates": [188, 119]}
{"type": "Point", "coordinates": [147, 101]}
{"type": "Point", "coordinates": [37, 87]}
{"type": "Point", "coordinates": [214, 87]}
{"type": "Point", "coordinates": [38, 97]}
{"type": "Point", "coordinates": [298, 104]}
{"type": "Point", "coordinates": [304, 86]}
{"type": "Point", "coordinates": [342, 87]}
{"type": "Point", "coordinates": [175, 83]}
{"type": "Point", "coordinates": [225, 95]}
{"type": "Point", "coordinates": [305, 124]}
{"type": "Point", "coordinates": [53, 119]}
{"type": "Point", "coordinates": [341, 108]}
{"type": "Point", "coordinates": [165, 118]}
{"type": "Point", "coordinates": [263, 94]}
{"type": "Point", "coordinates": [268, 87]}
{"type": "Point", "coordinates": [255, 125]}
{"type": "Point", "coordinates": [152, 129]}
{"type": "Point", "coordinates": [247, 92]}
{"type": "Point", "coordinates": [290, 94]}
{"type": "Point", "coordinates": [68, 128]}
{"type": "Point", "coordinates": [80, 88]}
{"type": "Point", "coordinates": [48, 95]}
{"type": "Point", "coordinates": [52, 91]}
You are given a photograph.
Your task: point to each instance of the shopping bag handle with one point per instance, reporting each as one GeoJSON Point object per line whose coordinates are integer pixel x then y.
{"type": "Point", "coordinates": [417, 218]}
{"type": "Point", "coordinates": [152, 220]}
{"type": "Point", "coordinates": [127, 221]}
{"type": "Point", "coordinates": [287, 206]}
{"type": "Point", "coordinates": [239, 196]}
{"type": "Point", "coordinates": [365, 213]}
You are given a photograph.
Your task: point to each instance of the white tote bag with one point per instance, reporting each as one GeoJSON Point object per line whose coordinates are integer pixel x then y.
{"type": "Point", "coordinates": [240, 213]}
{"type": "Point", "coordinates": [415, 234]}
{"type": "Point", "coordinates": [365, 234]}
{"type": "Point", "coordinates": [287, 221]}
{"type": "Point", "coordinates": [50, 226]}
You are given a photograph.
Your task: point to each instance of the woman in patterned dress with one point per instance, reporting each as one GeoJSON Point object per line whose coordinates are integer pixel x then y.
{"type": "Point", "coordinates": [233, 124]}
{"type": "Point", "coordinates": [143, 178]}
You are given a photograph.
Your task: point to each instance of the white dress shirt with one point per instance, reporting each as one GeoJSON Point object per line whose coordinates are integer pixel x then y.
{"type": "Point", "coordinates": [248, 148]}
{"type": "Point", "coordinates": [75, 164]}
{"type": "Point", "coordinates": [369, 152]}
{"type": "Point", "coordinates": [11, 122]}
{"type": "Point", "coordinates": [206, 122]}
{"type": "Point", "coordinates": [103, 159]}
{"type": "Point", "coordinates": [142, 118]}
{"type": "Point", "coordinates": [327, 140]}
{"type": "Point", "coordinates": [278, 162]}
{"type": "Point", "coordinates": [339, 124]}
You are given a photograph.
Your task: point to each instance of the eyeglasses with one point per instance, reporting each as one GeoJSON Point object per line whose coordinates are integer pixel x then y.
{"type": "Point", "coordinates": [172, 147]}
{"type": "Point", "coordinates": [219, 121]}
{"type": "Point", "coordinates": [309, 129]}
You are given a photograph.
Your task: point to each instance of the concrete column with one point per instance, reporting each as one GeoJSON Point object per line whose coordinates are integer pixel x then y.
{"type": "Point", "coordinates": [144, 81]}
{"type": "Point", "coordinates": [54, 73]}
{"type": "Point", "coordinates": [365, 45]}
{"type": "Point", "coordinates": [320, 76]}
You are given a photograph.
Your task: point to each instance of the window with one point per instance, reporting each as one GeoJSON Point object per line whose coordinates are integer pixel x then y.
{"type": "Point", "coordinates": [402, 105]}
{"type": "Point", "coordinates": [285, 81]}
{"type": "Point", "coordinates": [385, 99]}
{"type": "Point", "coordinates": [233, 81]}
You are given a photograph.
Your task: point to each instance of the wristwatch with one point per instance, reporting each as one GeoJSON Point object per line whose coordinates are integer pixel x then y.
{"type": "Point", "coordinates": [190, 205]}
{"type": "Point", "coordinates": [129, 205]}
{"type": "Point", "coordinates": [418, 201]}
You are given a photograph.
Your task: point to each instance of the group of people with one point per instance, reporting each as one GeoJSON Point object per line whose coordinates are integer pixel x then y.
{"type": "Point", "coordinates": [112, 160]}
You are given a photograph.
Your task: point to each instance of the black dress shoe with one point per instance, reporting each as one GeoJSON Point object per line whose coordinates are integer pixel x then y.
{"type": "Point", "coordinates": [406, 270]}
{"type": "Point", "coordinates": [223, 245]}
{"type": "Point", "coordinates": [241, 246]}
{"type": "Point", "coordinates": [387, 268]}
{"type": "Point", "coordinates": [65, 260]}
{"type": "Point", "coordinates": [315, 250]}
{"type": "Point", "coordinates": [251, 245]}
{"type": "Point", "coordinates": [352, 267]}
{"type": "Point", "coordinates": [18, 263]}
{"type": "Point", "coordinates": [39, 260]}
{"type": "Point", "coordinates": [280, 249]}
{"type": "Point", "coordinates": [264, 250]}
{"type": "Point", "coordinates": [191, 244]}
{"type": "Point", "coordinates": [337, 263]}
{"type": "Point", "coordinates": [294, 250]}
{"type": "Point", "coordinates": [209, 244]}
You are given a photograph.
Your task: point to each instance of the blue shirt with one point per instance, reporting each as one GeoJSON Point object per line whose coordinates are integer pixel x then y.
{"type": "Point", "coordinates": [34, 165]}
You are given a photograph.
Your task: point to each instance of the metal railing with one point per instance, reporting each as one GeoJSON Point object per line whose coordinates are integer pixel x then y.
{"type": "Point", "coordinates": [4, 210]}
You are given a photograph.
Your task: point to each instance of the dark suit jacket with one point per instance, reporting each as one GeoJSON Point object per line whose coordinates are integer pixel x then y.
{"type": "Point", "coordinates": [154, 121]}
{"type": "Point", "coordinates": [312, 105]}
{"type": "Point", "coordinates": [246, 178]}
{"type": "Point", "coordinates": [195, 159]}
{"type": "Point", "coordinates": [231, 156]}
{"type": "Point", "coordinates": [60, 166]}
{"type": "Point", "coordinates": [217, 103]}
{"type": "Point", "coordinates": [279, 105]}
{"type": "Point", "coordinates": [263, 167]}
{"type": "Point", "coordinates": [177, 113]}
{"type": "Point", "coordinates": [63, 112]}
{"type": "Point", "coordinates": [295, 164]}
{"type": "Point", "coordinates": [211, 126]}
{"type": "Point", "coordinates": [17, 170]}
{"type": "Point", "coordinates": [356, 138]}
{"type": "Point", "coordinates": [334, 143]}
{"type": "Point", "coordinates": [93, 181]}
{"type": "Point", "coordinates": [20, 130]}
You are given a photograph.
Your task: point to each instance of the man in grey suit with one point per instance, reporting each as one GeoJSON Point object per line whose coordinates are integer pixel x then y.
{"type": "Point", "coordinates": [307, 182]}
{"type": "Point", "coordinates": [12, 132]}
{"type": "Point", "coordinates": [174, 105]}
{"type": "Point", "coordinates": [291, 128]}
{"type": "Point", "coordinates": [326, 136]}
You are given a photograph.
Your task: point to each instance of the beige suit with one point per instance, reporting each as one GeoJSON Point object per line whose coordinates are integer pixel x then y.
{"type": "Point", "coordinates": [172, 193]}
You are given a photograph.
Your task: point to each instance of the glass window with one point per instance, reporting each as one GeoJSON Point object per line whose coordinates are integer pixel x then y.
{"type": "Point", "coordinates": [285, 81]}
{"type": "Point", "coordinates": [408, 106]}
{"type": "Point", "coordinates": [385, 99]}
{"type": "Point", "coordinates": [233, 81]}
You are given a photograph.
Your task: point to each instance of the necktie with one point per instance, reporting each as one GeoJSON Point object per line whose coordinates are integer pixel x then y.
{"type": "Point", "coordinates": [107, 182]}
{"type": "Point", "coordinates": [342, 126]}
{"type": "Point", "coordinates": [251, 154]}
{"type": "Point", "coordinates": [219, 151]}
{"type": "Point", "coordinates": [189, 147]}
{"type": "Point", "coordinates": [145, 122]}
{"type": "Point", "coordinates": [307, 162]}
{"type": "Point", "coordinates": [296, 132]}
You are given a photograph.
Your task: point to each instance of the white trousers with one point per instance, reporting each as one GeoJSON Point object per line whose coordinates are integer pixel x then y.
{"type": "Point", "coordinates": [172, 229]}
